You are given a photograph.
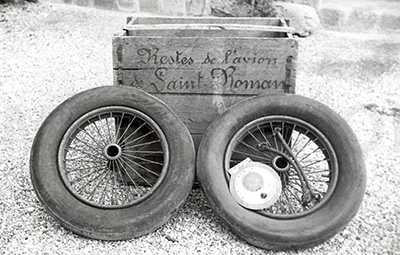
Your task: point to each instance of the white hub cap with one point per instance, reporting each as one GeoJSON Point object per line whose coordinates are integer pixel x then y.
{"type": "Point", "coordinates": [254, 185]}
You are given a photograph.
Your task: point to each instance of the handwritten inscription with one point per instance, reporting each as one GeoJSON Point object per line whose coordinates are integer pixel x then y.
{"type": "Point", "coordinates": [151, 56]}
{"type": "Point", "coordinates": [232, 57]}
{"type": "Point", "coordinates": [222, 80]}
{"type": "Point", "coordinates": [226, 72]}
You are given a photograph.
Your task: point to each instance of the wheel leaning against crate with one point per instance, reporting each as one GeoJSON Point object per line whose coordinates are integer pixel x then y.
{"type": "Point", "coordinates": [283, 171]}
{"type": "Point", "coordinates": [112, 163]}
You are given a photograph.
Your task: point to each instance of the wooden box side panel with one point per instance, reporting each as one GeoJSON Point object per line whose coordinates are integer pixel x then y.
{"type": "Point", "coordinates": [200, 78]}
{"type": "Point", "coordinates": [235, 66]}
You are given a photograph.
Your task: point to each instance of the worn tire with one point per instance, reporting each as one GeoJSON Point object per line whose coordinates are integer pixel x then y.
{"type": "Point", "coordinates": [115, 216]}
{"type": "Point", "coordinates": [290, 230]}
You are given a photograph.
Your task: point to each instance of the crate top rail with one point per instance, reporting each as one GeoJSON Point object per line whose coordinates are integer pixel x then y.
{"type": "Point", "coordinates": [207, 27]}
{"type": "Point", "coordinates": [210, 27]}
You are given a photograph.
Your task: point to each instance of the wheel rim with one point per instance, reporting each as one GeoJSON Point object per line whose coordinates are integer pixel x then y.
{"type": "Point", "coordinates": [310, 148]}
{"type": "Point", "coordinates": [113, 157]}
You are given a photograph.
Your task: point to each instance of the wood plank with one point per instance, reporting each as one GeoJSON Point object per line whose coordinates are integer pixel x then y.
{"type": "Point", "coordinates": [198, 111]}
{"type": "Point", "coordinates": [204, 65]}
{"type": "Point", "coordinates": [205, 33]}
{"type": "Point", "coordinates": [202, 20]}
{"type": "Point", "coordinates": [199, 26]}
{"type": "Point", "coordinates": [217, 27]}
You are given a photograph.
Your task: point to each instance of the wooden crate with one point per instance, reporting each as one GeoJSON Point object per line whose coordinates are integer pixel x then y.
{"type": "Point", "coordinates": [201, 66]}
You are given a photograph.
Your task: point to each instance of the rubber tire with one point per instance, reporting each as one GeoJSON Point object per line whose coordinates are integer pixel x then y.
{"type": "Point", "coordinates": [273, 233]}
{"type": "Point", "coordinates": [103, 223]}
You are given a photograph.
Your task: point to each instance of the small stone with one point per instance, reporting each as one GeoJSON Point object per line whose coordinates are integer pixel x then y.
{"type": "Point", "coordinates": [171, 239]}
{"type": "Point", "coordinates": [30, 209]}
{"type": "Point", "coordinates": [302, 17]}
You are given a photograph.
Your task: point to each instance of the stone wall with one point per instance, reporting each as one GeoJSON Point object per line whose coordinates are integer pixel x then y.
{"type": "Point", "coordinates": [302, 13]}
{"type": "Point", "coordinates": [162, 7]}
{"type": "Point", "coordinates": [314, 3]}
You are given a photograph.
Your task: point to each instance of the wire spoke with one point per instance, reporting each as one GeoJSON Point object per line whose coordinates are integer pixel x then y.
{"type": "Point", "coordinates": [91, 137]}
{"type": "Point", "coordinates": [266, 140]}
{"type": "Point", "coordinates": [89, 146]}
{"type": "Point", "coordinates": [109, 129]}
{"type": "Point", "coordinates": [141, 144]}
{"type": "Point", "coordinates": [126, 129]}
{"type": "Point", "coordinates": [135, 171]}
{"type": "Point", "coordinates": [141, 166]}
{"type": "Point", "coordinates": [305, 145]}
{"type": "Point", "coordinates": [140, 138]}
{"type": "Point", "coordinates": [98, 130]}
{"type": "Point", "coordinates": [95, 155]}
{"type": "Point", "coordinates": [119, 125]}
{"type": "Point", "coordinates": [117, 165]}
{"type": "Point", "coordinates": [144, 152]}
{"type": "Point", "coordinates": [132, 134]}
{"type": "Point", "coordinates": [102, 173]}
{"type": "Point", "coordinates": [309, 154]}
{"type": "Point", "coordinates": [252, 155]}
{"type": "Point", "coordinates": [316, 162]}
{"type": "Point", "coordinates": [143, 159]}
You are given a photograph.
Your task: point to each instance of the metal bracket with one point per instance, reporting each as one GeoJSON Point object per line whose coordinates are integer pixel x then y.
{"type": "Point", "coordinates": [120, 72]}
{"type": "Point", "coordinates": [290, 78]}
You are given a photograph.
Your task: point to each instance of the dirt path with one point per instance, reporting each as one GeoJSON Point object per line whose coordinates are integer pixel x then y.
{"type": "Point", "coordinates": [49, 53]}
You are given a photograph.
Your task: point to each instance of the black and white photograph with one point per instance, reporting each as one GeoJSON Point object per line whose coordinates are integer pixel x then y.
{"type": "Point", "coordinates": [238, 127]}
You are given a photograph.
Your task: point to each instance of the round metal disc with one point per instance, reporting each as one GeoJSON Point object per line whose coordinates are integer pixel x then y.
{"type": "Point", "coordinates": [255, 186]}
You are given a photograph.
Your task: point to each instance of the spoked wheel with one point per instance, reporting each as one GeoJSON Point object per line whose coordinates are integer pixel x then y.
{"type": "Point", "coordinates": [283, 171]}
{"type": "Point", "coordinates": [112, 163]}
{"type": "Point", "coordinates": [302, 157]}
{"type": "Point", "coordinates": [113, 157]}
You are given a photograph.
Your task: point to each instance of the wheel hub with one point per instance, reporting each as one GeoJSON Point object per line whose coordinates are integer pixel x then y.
{"type": "Point", "coordinates": [112, 151]}
{"type": "Point", "coordinates": [280, 164]}
{"type": "Point", "coordinates": [254, 185]}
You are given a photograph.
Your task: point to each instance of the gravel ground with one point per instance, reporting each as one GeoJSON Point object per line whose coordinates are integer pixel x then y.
{"type": "Point", "coordinates": [51, 52]}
